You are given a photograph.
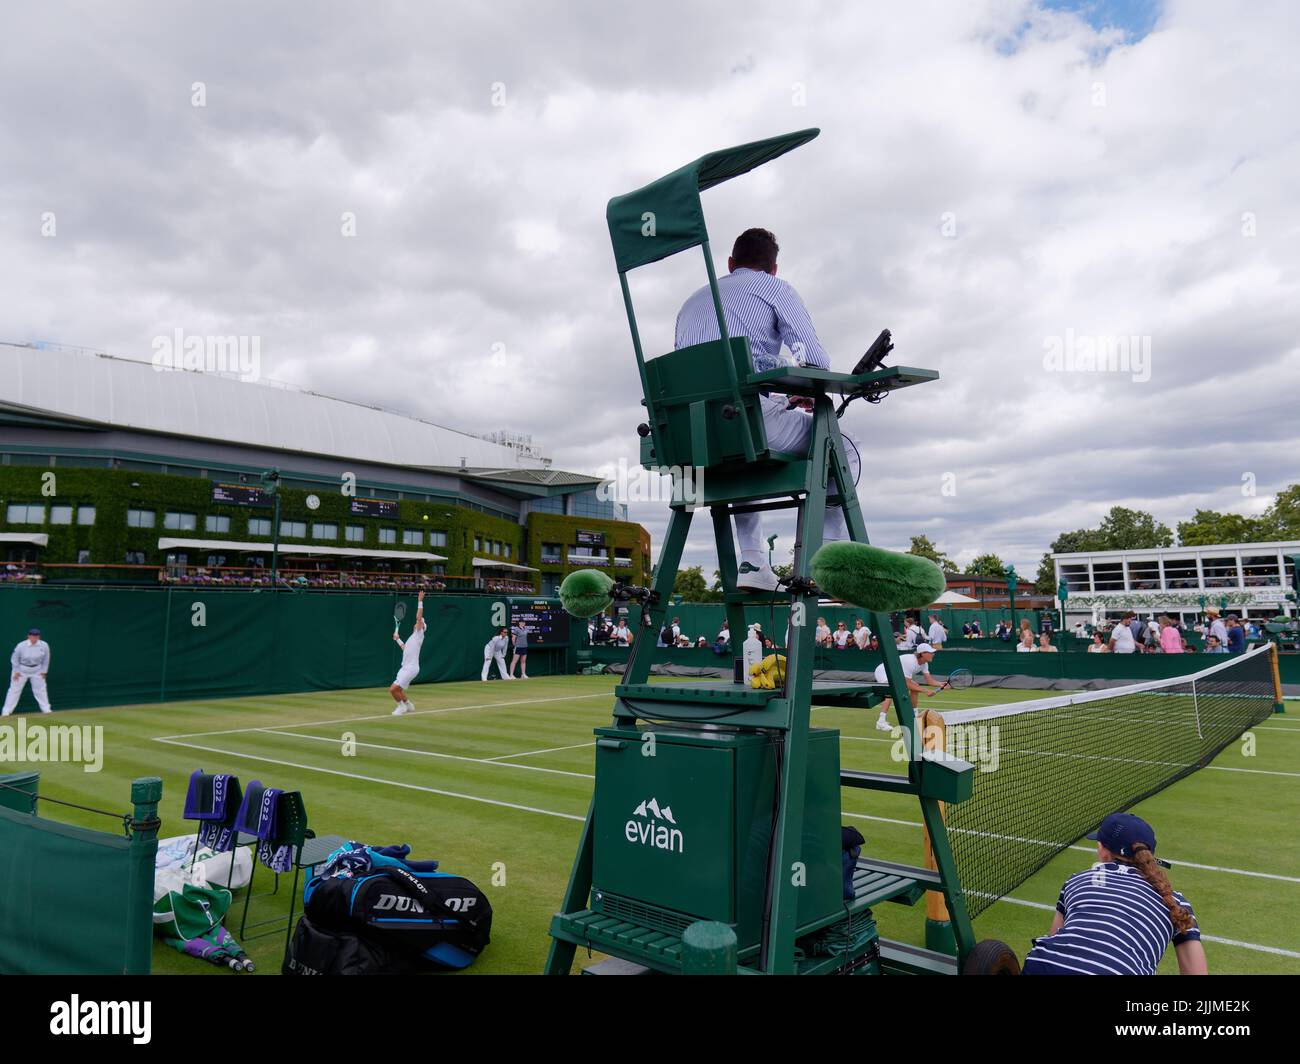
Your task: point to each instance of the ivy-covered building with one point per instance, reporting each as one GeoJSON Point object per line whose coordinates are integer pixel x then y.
{"type": "Point", "coordinates": [112, 469]}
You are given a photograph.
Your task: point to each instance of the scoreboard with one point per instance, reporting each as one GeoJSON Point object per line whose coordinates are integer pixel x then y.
{"type": "Point", "coordinates": [590, 539]}
{"type": "Point", "coordinates": [546, 619]}
{"type": "Point", "coordinates": [373, 507]}
{"type": "Point", "coordinates": [240, 495]}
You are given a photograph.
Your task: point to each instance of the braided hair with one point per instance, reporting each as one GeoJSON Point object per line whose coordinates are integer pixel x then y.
{"type": "Point", "coordinates": [1145, 862]}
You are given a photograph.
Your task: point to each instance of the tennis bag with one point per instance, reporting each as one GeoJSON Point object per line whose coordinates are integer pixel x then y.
{"type": "Point", "coordinates": [444, 919]}
{"type": "Point", "coordinates": [317, 951]}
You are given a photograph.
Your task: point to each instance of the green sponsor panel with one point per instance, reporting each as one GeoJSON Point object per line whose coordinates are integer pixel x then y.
{"type": "Point", "coordinates": [685, 834]}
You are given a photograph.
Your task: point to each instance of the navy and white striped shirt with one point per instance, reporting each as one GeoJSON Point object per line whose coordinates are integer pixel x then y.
{"type": "Point", "coordinates": [1115, 924]}
{"type": "Point", "coordinates": [761, 307]}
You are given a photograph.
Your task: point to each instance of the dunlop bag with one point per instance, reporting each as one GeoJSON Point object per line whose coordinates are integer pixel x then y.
{"type": "Point", "coordinates": [443, 918]}
{"type": "Point", "coordinates": [317, 951]}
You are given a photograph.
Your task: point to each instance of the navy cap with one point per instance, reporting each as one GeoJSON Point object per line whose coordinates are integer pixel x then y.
{"type": "Point", "coordinates": [1120, 832]}
{"type": "Point", "coordinates": [33, 631]}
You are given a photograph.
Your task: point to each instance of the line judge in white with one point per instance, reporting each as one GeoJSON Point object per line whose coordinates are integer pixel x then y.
{"type": "Point", "coordinates": [30, 661]}
{"type": "Point", "coordinates": [410, 661]}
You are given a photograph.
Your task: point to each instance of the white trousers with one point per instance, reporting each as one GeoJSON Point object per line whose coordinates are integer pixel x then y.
{"type": "Point", "coordinates": [790, 429]}
{"type": "Point", "coordinates": [16, 690]}
{"type": "Point", "coordinates": [501, 665]}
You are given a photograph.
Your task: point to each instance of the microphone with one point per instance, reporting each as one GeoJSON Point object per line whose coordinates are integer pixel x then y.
{"type": "Point", "coordinates": [881, 581]}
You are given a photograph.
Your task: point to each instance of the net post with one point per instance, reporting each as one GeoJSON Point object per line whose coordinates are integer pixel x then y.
{"type": "Point", "coordinates": [1279, 703]}
{"type": "Point", "coordinates": [939, 934]}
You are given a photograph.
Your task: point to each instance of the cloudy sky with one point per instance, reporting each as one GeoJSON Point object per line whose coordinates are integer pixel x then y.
{"type": "Point", "coordinates": [405, 203]}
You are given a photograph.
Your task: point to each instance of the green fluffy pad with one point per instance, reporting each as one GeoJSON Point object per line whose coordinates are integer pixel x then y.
{"type": "Point", "coordinates": [881, 581]}
{"type": "Point", "coordinates": [585, 593]}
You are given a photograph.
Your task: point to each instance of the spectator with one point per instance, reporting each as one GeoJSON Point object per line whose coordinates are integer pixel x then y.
{"type": "Point", "coordinates": [702, 643]}
{"type": "Point", "coordinates": [841, 636]}
{"type": "Point", "coordinates": [1003, 632]}
{"type": "Point", "coordinates": [1170, 641]}
{"type": "Point", "coordinates": [1135, 626]}
{"type": "Point", "coordinates": [1045, 644]}
{"type": "Point", "coordinates": [1026, 645]}
{"type": "Point", "coordinates": [938, 633]}
{"type": "Point", "coordinates": [823, 633]}
{"type": "Point", "coordinates": [1236, 635]}
{"type": "Point", "coordinates": [1213, 646]}
{"type": "Point", "coordinates": [1098, 644]}
{"type": "Point", "coordinates": [975, 630]}
{"type": "Point", "coordinates": [861, 634]}
{"type": "Point", "coordinates": [965, 631]}
{"type": "Point", "coordinates": [1217, 627]}
{"type": "Point", "coordinates": [724, 636]}
{"type": "Point", "coordinates": [622, 635]}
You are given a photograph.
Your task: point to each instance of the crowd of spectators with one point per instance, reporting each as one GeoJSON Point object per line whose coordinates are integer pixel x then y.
{"type": "Point", "coordinates": [1168, 635]}
{"type": "Point", "coordinates": [341, 580]}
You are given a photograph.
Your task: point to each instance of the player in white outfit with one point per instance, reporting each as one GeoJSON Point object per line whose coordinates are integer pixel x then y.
{"type": "Point", "coordinates": [495, 650]}
{"type": "Point", "coordinates": [30, 661]}
{"type": "Point", "coordinates": [410, 661]}
{"type": "Point", "coordinates": [916, 672]}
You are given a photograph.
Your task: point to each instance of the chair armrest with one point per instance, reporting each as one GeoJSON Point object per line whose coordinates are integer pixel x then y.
{"type": "Point", "coordinates": [804, 380]}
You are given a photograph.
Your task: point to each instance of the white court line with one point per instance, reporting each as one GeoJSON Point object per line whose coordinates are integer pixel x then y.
{"type": "Point", "coordinates": [431, 753]}
{"type": "Point", "coordinates": [386, 716]}
{"type": "Point", "coordinates": [372, 779]}
{"type": "Point", "coordinates": [548, 750]}
{"type": "Point", "coordinates": [1276, 950]}
{"type": "Point", "coordinates": [1093, 850]}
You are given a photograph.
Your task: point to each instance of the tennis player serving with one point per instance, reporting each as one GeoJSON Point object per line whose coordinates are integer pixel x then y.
{"type": "Point", "coordinates": [916, 671]}
{"type": "Point", "coordinates": [410, 660]}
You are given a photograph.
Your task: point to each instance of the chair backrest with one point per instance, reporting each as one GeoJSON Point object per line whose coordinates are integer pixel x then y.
{"type": "Point", "coordinates": [688, 393]}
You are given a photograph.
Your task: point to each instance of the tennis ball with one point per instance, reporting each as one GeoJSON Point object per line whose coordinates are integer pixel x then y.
{"type": "Point", "coordinates": [585, 592]}
{"type": "Point", "coordinates": [881, 581]}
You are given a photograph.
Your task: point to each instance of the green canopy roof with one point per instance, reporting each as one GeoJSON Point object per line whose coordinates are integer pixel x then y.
{"type": "Point", "coordinates": [674, 201]}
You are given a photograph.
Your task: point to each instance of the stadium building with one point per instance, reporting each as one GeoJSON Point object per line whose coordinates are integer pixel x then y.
{"type": "Point", "coordinates": [1248, 579]}
{"type": "Point", "coordinates": [114, 470]}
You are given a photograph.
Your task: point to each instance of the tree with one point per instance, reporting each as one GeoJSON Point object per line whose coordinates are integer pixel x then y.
{"type": "Point", "coordinates": [1209, 526]}
{"type": "Point", "coordinates": [1282, 519]}
{"type": "Point", "coordinates": [923, 548]}
{"type": "Point", "coordinates": [1125, 529]}
{"type": "Point", "coordinates": [987, 565]}
{"type": "Point", "coordinates": [689, 583]}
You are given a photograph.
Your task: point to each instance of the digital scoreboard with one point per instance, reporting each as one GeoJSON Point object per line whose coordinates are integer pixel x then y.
{"type": "Point", "coordinates": [546, 620]}
{"type": "Point", "coordinates": [374, 507]}
{"type": "Point", "coordinates": [240, 495]}
{"type": "Point", "coordinates": [591, 539]}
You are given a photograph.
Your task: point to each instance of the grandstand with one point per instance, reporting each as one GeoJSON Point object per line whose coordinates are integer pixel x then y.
{"type": "Point", "coordinates": [159, 478]}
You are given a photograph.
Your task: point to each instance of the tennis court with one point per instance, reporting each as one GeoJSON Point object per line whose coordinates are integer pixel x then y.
{"type": "Point", "coordinates": [494, 781]}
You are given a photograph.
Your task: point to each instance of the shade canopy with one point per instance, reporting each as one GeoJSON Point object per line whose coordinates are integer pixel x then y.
{"type": "Point", "coordinates": [666, 217]}
{"type": "Point", "coordinates": [952, 597]}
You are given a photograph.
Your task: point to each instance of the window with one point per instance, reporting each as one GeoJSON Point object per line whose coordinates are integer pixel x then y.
{"type": "Point", "coordinates": [507, 551]}
{"type": "Point", "coordinates": [135, 557]}
{"type": "Point", "coordinates": [1076, 577]}
{"type": "Point", "coordinates": [355, 533]}
{"type": "Point", "coordinates": [22, 514]}
{"type": "Point", "coordinates": [552, 553]}
{"type": "Point", "coordinates": [216, 523]}
{"type": "Point", "coordinates": [216, 561]}
{"type": "Point", "coordinates": [412, 537]}
{"type": "Point", "coordinates": [388, 535]}
{"type": "Point", "coordinates": [1108, 576]}
{"type": "Point", "coordinates": [1219, 572]}
{"type": "Point", "coordinates": [1144, 575]}
{"type": "Point", "coordinates": [140, 518]}
{"type": "Point", "coordinates": [1181, 573]}
{"type": "Point", "coordinates": [180, 522]}
{"type": "Point", "coordinates": [85, 515]}
{"type": "Point", "coordinates": [324, 531]}
{"type": "Point", "coordinates": [60, 515]}
{"type": "Point", "coordinates": [296, 529]}
{"type": "Point", "coordinates": [437, 539]}
{"type": "Point", "coordinates": [259, 526]}
{"type": "Point", "coordinates": [1261, 570]}
{"type": "Point", "coordinates": [83, 557]}
{"type": "Point", "coordinates": [478, 544]}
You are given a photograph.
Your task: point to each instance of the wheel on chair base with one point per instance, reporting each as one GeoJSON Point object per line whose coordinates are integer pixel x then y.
{"type": "Point", "coordinates": [991, 957]}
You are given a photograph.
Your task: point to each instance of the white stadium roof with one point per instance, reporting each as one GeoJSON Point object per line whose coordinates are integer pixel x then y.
{"type": "Point", "coordinates": [120, 393]}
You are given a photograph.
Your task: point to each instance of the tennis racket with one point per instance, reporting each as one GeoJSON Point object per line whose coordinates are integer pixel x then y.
{"type": "Point", "coordinates": [958, 680]}
{"type": "Point", "coordinates": [399, 611]}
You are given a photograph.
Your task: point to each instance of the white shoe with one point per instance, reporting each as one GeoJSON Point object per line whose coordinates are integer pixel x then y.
{"type": "Point", "coordinates": [883, 725]}
{"type": "Point", "coordinates": [399, 711]}
{"type": "Point", "coordinates": [756, 578]}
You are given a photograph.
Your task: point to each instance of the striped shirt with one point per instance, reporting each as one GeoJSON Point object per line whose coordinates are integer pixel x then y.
{"type": "Point", "coordinates": [1115, 924]}
{"type": "Point", "coordinates": [762, 307]}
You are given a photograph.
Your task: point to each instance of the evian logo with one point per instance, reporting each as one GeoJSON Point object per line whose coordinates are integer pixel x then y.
{"type": "Point", "coordinates": [653, 828]}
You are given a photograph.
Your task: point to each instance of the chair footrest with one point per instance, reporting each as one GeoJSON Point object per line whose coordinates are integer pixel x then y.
{"type": "Point", "coordinates": [898, 958]}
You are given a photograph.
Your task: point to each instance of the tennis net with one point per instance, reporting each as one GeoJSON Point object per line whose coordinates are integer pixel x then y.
{"type": "Point", "coordinates": [1048, 770]}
